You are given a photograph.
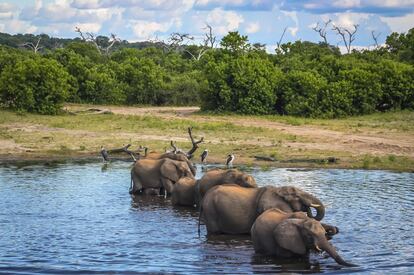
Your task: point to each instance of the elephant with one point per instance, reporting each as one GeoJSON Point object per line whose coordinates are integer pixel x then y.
{"type": "Point", "coordinates": [158, 174]}
{"type": "Point", "coordinates": [286, 235]}
{"type": "Point", "coordinates": [232, 209]}
{"type": "Point", "coordinates": [183, 192]}
{"type": "Point", "coordinates": [217, 176]}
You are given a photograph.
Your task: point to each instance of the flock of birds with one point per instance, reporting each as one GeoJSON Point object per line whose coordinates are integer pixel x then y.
{"type": "Point", "coordinates": [229, 160]}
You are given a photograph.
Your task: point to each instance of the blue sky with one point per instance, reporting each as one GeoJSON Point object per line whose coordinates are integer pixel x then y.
{"type": "Point", "coordinates": [262, 20]}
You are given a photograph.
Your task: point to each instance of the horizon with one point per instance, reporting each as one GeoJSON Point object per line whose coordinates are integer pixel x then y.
{"type": "Point", "coordinates": [263, 21]}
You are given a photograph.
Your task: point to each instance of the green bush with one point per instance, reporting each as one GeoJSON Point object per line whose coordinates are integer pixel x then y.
{"type": "Point", "coordinates": [37, 85]}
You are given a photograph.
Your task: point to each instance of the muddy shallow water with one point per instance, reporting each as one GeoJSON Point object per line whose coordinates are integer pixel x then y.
{"type": "Point", "coordinates": [79, 218]}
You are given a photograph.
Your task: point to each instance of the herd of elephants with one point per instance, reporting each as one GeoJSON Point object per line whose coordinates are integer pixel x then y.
{"type": "Point", "coordinates": [279, 219]}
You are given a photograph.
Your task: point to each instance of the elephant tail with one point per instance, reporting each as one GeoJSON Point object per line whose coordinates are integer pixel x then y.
{"type": "Point", "coordinates": [131, 186]}
{"type": "Point", "coordinates": [200, 213]}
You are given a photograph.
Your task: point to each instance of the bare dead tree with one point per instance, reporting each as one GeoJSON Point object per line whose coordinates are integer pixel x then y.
{"type": "Point", "coordinates": [193, 142]}
{"type": "Point", "coordinates": [134, 155]}
{"type": "Point", "coordinates": [209, 39]}
{"type": "Point", "coordinates": [375, 38]}
{"type": "Point", "coordinates": [91, 38]}
{"type": "Point", "coordinates": [322, 30]}
{"type": "Point", "coordinates": [34, 47]}
{"type": "Point", "coordinates": [348, 36]}
{"type": "Point", "coordinates": [180, 42]}
{"type": "Point", "coordinates": [279, 43]}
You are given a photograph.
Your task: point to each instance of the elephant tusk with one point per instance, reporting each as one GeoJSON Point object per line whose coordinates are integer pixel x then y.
{"type": "Point", "coordinates": [165, 193]}
{"type": "Point", "coordinates": [318, 248]}
{"type": "Point", "coordinates": [315, 205]}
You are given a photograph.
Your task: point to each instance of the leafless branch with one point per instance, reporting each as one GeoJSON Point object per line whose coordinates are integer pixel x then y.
{"type": "Point", "coordinates": [322, 30]}
{"type": "Point", "coordinates": [210, 39]}
{"type": "Point", "coordinates": [91, 38]}
{"type": "Point", "coordinates": [125, 149]}
{"type": "Point", "coordinates": [193, 142]}
{"type": "Point", "coordinates": [279, 43]}
{"type": "Point", "coordinates": [375, 38]}
{"type": "Point", "coordinates": [348, 36]}
{"type": "Point", "coordinates": [35, 47]}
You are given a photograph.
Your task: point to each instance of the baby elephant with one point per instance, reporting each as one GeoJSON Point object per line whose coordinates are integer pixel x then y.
{"type": "Point", "coordinates": [290, 234]}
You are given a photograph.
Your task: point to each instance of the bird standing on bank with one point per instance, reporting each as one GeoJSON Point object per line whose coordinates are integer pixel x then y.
{"type": "Point", "coordinates": [229, 161]}
{"type": "Point", "coordinates": [104, 154]}
{"type": "Point", "coordinates": [204, 156]}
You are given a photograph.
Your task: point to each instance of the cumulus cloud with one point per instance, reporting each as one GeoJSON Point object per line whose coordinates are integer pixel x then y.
{"type": "Point", "coordinates": [235, 4]}
{"type": "Point", "coordinates": [253, 27]}
{"type": "Point", "coordinates": [224, 21]}
{"type": "Point", "coordinates": [144, 30]}
{"type": "Point", "coordinates": [400, 24]}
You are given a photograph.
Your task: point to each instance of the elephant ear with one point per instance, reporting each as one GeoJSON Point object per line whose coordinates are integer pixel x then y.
{"type": "Point", "coordinates": [289, 237]}
{"type": "Point", "coordinates": [170, 171]}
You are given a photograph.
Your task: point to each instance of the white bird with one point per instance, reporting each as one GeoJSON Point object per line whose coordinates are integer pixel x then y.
{"type": "Point", "coordinates": [104, 154]}
{"type": "Point", "coordinates": [204, 156]}
{"type": "Point", "coordinates": [229, 161]}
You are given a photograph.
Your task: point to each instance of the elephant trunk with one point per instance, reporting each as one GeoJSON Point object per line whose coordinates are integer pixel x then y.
{"type": "Point", "coordinates": [326, 246]}
{"type": "Point", "coordinates": [319, 207]}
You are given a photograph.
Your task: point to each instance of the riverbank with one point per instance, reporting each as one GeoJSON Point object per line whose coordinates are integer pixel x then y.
{"type": "Point", "coordinates": [380, 141]}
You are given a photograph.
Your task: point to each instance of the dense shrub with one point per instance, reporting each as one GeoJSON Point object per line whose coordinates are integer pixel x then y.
{"type": "Point", "coordinates": [243, 85]}
{"type": "Point", "coordinates": [35, 85]}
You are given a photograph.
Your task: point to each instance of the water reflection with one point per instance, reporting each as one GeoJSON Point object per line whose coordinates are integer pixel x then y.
{"type": "Point", "coordinates": [79, 218]}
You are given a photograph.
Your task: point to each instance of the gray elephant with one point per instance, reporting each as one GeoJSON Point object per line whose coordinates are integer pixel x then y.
{"type": "Point", "coordinates": [183, 192]}
{"type": "Point", "coordinates": [217, 176]}
{"type": "Point", "coordinates": [232, 209]}
{"type": "Point", "coordinates": [158, 174]}
{"type": "Point", "coordinates": [286, 235]}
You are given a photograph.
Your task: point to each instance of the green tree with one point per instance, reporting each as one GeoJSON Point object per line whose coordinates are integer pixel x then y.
{"type": "Point", "coordinates": [35, 85]}
{"type": "Point", "coordinates": [244, 85]}
{"type": "Point", "coordinates": [298, 93]}
{"type": "Point", "coordinates": [142, 80]}
{"type": "Point", "coordinates": [235, 43]}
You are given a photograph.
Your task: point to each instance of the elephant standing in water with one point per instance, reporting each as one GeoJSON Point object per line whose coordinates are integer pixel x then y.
{"type": "Point", "coordinates": [218, 176]}
{"type": "Point", "coordinates": [232, 209]}
{"type": "Point", "coordinates": [290, 234]}
{"type": "Point", "coordinates": [183, 192]}
{"type": "Point", "coordinates": [156, 174]}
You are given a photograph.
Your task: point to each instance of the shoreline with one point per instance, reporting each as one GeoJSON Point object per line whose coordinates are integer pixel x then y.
{"type": "Point", "coordinates": [43, 159]}
{"type": "Point", "coordinates": [375, 142]}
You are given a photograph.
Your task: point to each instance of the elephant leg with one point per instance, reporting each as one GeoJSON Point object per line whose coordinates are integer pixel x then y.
{"type": "Point", "coordinates": [167, 185]}
{"type": "Point", "coordinates": [330, 230]}
{"type": "Point", "coordinates": [136, 185]}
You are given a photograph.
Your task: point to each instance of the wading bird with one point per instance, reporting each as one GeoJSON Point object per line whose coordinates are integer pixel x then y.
{"type": "Point", "coordinates": [229, 161]}
{"type": "Point", "coordinates": [104, 154]}
{"type": "Point", "coordinates": [204, 156]}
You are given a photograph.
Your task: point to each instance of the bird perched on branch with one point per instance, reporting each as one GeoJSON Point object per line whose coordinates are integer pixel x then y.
{"type": "Point", "coordinates": [104, 154]}
{"type": "Point", "coordinates": [229, 161]}
{"type": "Point", "coordinates": [204, 156]}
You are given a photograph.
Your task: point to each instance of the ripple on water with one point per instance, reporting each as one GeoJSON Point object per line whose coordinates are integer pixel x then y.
{"type": "Point", "coordinates": [76, 218]}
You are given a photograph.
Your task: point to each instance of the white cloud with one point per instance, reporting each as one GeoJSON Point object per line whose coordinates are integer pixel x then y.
{"type": "Point", "coordinates": [6, 7]}
{"type": "Point", "coordinates": [399, 24]}
{"type": "Point", "coordinates": [224, 21]}
{"type": "Point", "coordinates": [147, 29]}
{"type": "Point", "coordinates": [348, 20]}
{"type": "Point", "coordinates": [293, 30]}
{"type": "Point", "coordinates": [253, 27]}
{"type": "Point", "coordinates": [89, 27]}
{"type": "Point", "coordinates": [221, 2]}
{"type": "Point", "coordinates": [86, 4]}
{"type": "Point", "coordinates": [6, 15]}
{"type": "Point", "coordinates": [347, 4]}
{"type": "Point", "coordinates": [19, 26]}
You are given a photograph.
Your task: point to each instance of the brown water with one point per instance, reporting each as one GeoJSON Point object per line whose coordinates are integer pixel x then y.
{"type": "Point", "coordinates": [80, 219]}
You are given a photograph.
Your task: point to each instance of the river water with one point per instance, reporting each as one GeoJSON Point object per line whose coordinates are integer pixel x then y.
{"type": "Point", "coordinates": [79, 219]}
